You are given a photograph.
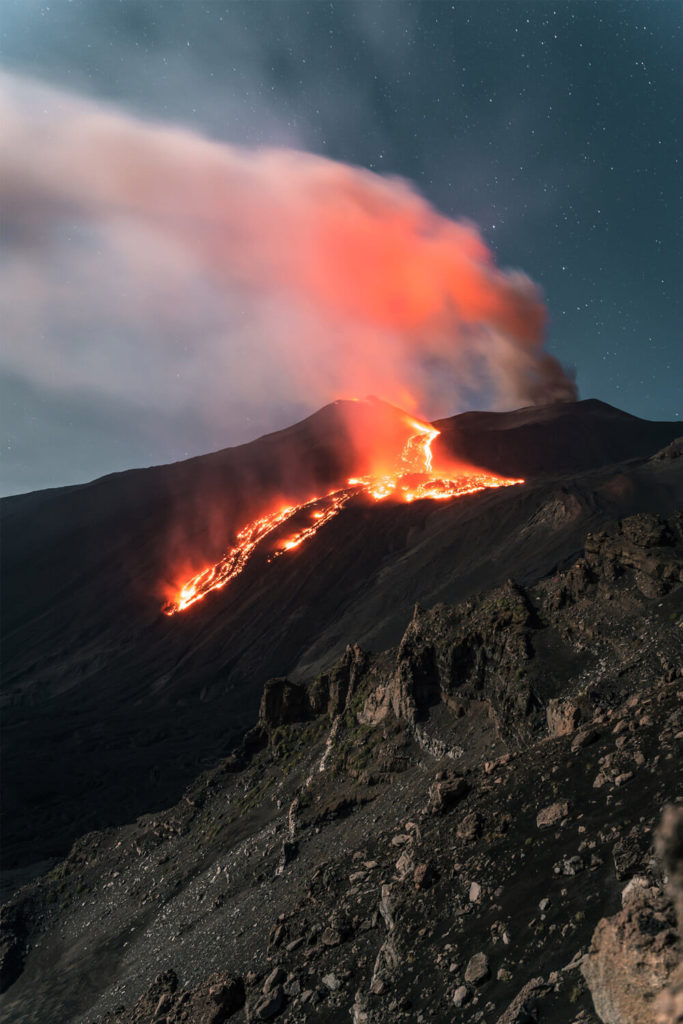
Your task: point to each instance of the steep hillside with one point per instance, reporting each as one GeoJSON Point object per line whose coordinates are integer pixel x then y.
{"type": "Point", "coordinates": [426, 834]}
{"type": "Point", "coordinates": [111, 708]}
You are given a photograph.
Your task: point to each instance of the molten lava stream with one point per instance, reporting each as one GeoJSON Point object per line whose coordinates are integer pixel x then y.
{"type": "Point", "coordinates": [412, 479]}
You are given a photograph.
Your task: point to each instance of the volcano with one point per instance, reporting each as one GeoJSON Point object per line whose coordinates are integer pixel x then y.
{"type": "Point", "coordinates": [111, 705]}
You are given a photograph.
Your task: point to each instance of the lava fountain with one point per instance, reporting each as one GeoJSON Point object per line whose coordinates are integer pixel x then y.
{"type": "Point", "coordinates": [409, 476]}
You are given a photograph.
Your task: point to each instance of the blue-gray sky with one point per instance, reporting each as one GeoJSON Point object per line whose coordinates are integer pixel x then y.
{"type": "Point", "coordinates": [554, 127]}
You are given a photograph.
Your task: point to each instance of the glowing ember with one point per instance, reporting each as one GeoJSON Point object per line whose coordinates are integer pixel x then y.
{"type": "Point", "coordinates": [411, 479]}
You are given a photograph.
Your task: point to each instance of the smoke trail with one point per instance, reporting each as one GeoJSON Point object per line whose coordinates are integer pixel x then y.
{"type": "Point", "coordinates": [145, 261]}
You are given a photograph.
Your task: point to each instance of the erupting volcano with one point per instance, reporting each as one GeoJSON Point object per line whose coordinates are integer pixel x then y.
{"type": "Point", "coordinates": [409, 475]}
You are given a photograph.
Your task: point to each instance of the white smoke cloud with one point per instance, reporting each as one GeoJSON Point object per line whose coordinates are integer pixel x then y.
{"type": "Point", "coordinates": [146, 262]}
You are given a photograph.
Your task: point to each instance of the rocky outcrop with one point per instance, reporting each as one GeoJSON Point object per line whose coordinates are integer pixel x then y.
{"type": "Point", "coordinates": [673, 450]}
{"type": "Point", "coordinates": [632, 956]}
{"type": "Point", "coordinates": [522, 1008]}
{"type": "Point", "coordinates": [15, 918]}
{"type": "Point", "coordinates": [669, 1004]}
{"type": "Point", "coordinates": [331, 691]}
{"type": "Point", "coordinates": [477, 651]}
{"type": "Point", "coordinates": [214, 1001]}
{"type": "Point", "coordinates": [643, 545]}
{"type": "Point", "coordinates": [487, 657]}
{"type": "Point", "coordinates": [283, 703]}
{"type": "Point", "coordinates": [566, 714]}
{"type": "Point", "coordinates": [446, 793]}
{"type": "Point", "coordinates": [634, 969]}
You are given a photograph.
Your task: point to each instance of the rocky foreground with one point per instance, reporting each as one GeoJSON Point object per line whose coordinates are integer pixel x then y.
{"type": "Point", "coordinates": [465, 828]}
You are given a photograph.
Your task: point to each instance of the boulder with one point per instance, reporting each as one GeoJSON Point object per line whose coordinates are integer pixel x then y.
{"type": "Point", "coordinates": [565, 714]}
{"type": "Point", "coordinates": [552, 814]}
{"type": "Point", "coordinates": [632, 956]}
{"type": "Point", "coordinates": [477, 969]}
{"type": "Point", "coordinates": [522, 1008]}
{"type": "Point", "coordinates": [271, 1004]}
{"type": "Point", "coordinates": [424, 875]}
{"type": "Point", "coordinates": [446, 794]}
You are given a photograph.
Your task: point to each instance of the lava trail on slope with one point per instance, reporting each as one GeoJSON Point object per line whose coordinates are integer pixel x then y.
{"type": "Point", "coordinates": [410, 477]}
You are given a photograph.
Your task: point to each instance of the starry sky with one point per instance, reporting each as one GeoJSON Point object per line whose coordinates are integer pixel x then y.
{"type": "Point", "coordinates": [555, 127]}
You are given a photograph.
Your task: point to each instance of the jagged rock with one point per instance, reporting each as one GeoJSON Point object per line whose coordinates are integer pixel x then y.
{"type": "Point", "coordinates": [641, 544]}
{"type": "Point", "coordinates": [475, 892]}
{"type": "Point", "coordinates": [13, 926]}
{"type": "Point", "coordinates": [669, 845]}
{"type": "Point", "coordinates": [522, 1008]}
{"type": "Point", "coordinates": [631, 958]}
{"type": "Point", "coordinates": [276, 977]}
{"type": "Point", "coordinates": [229, 997]}
{"type": "Point", "coordinates": [552, 814]}
{"type": "Point", "coordinates": [478, 651]}
{"type": "Point", "coordinates": [278, 933]}
{"type": "Point", "coordinates": [645, 530]}
{"type": "Point", "coordinates": [470, 827]}
{"type": "Point", "coordinates": [331, 937]}
{"type": "Point", "coordinates": [584, 738]}
{"type": "Point", "coordinates": [283, 703]}
{"type": "Point", "coordinates": [445, 795]}
{"type": "Point", "coordinates": [477, 969]}
{"type": "Point", "coordinates": [226, 835]}
{"type": "Point", "coordinates": [331, 691]}
{"type": "Point", "coordinates": [569, 866]}
{"type": "Point", "coordinates": [565, 714]}
{"type": "Point", "coordinates": [405, 865]}
{"type": "Point", "coordinates": [424, 875]}
{"type": "Point", "coordinates": [271, 1004]}
{"type": "Point", "coordinates": [290, 850]}
{"type": "Point", "coordinates": [461, 995]}
{"type": "Point", "coordinates": [627, 855]}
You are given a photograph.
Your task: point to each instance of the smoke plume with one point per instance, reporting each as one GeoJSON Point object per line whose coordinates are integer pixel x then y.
{"type": "Point", "coordinates": [145, 262]}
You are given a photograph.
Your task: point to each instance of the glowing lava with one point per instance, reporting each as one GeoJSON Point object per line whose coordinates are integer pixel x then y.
{"type": "Point", "coordinates": [412, 478]}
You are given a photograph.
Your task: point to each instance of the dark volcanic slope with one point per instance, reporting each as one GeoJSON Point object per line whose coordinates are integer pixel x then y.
{"type": "Point", "coordinates": [553, 438]}
{"type": "Point", "coordinates": [110, 708]}
{"type": "Point", "coordinates": [426, 835]}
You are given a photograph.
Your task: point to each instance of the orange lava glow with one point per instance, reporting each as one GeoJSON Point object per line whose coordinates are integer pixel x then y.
{"type": "Point", "coordinates": [411, 478]}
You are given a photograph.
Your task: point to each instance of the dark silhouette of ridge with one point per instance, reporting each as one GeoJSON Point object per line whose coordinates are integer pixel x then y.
{"type": "Point", "coordinates": [548, 439]}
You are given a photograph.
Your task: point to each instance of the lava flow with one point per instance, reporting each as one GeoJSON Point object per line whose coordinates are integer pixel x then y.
{"type": "Point", "coordinates": [412, 478]}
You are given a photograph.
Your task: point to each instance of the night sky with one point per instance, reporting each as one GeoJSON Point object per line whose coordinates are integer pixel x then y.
{"type": "Point", "coordinates": [554, 127]}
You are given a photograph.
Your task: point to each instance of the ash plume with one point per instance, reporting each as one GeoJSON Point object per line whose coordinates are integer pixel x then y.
{"type": "Point", "coordinates": [146, 263]}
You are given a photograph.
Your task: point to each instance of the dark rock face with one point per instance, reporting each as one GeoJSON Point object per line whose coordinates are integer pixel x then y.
{"type": "Point", "coordinates": [455, 655]}
{"type": "Point", "coordinates": [283, 703]}
{"type": "Point", "coordinates": [331, 691]}
{"type": "Point", "coordinates": [15, 920]}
